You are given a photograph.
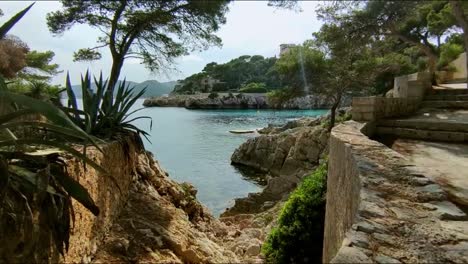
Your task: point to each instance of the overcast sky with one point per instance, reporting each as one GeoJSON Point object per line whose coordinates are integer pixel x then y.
{"type": "Point", "coordinates": [252, 28]}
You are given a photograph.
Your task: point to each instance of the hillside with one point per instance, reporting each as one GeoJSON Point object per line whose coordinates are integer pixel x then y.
{"type": "Point", "coordinates": [153, 88]}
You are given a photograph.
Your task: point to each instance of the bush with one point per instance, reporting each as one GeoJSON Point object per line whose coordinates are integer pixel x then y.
{"type": "Point", "coordinates": [254, 88]}
{"type": "Point", "coordinates": [213, 95]}
{"type": "Point", "coordinates": [279, 96]}
{"type": "Point", "coordinates": [449, 52]}
{"type": "Point", "coordinates": [298, 238]}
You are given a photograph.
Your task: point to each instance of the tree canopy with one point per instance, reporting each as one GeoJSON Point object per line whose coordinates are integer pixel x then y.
{"type": "Point", "coordinates": [154, 31]}
{"type": "Point", "coordinates": [234, 75]}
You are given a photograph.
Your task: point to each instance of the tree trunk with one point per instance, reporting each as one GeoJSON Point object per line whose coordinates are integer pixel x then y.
{"type": "Point", "coordinates": [462, 21]}
{"type": "Point", "coordinates": [333, 111]}
{"type": "Point", "coordinates": [117, 63]}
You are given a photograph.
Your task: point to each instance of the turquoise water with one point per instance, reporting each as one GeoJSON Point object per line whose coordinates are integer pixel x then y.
{"type": "Point", "coordinates": [195, 146]}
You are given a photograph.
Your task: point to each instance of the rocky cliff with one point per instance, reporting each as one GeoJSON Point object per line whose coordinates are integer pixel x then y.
{"type": "Point", "coordinates": [241, 101]}
{"type": "Point", "coordinates": [144, 217]}
{"type": "Point", "coordinates": [163, 222]}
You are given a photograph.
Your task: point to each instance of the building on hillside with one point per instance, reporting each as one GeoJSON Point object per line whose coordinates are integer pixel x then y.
{"type": "Point", "coordinates": [285, 48]}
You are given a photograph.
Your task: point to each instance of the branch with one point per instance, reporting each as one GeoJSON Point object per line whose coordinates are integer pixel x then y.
{"type": "Point", "coordinates": [114, 24]}
{"type": "Point", "coordinates": [98, 47]}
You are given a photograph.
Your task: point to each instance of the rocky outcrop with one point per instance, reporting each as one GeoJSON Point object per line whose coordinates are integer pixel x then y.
{"type": "Point", "coordinates": [163, 222]}
{"type": "Point", "coordinates": [31, 238]}
{"type": "Point", "coordinates": [314, 101]}
{"type": "Point", "coordinates": [285, 154]}
{"type": "Point", "coordinates": [144, 217]}
{"type": "Point", "coordinates": [169, 101]}
{"type": "Point", "coordinates": [291, 152]}
{"type": "Point", "coordinates": [203, 101]}
{"type": "Point", "coordinates": [242, 101]}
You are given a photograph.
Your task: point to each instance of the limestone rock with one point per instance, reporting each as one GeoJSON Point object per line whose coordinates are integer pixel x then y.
{"type": "Point", "coordinates": [350, 255]}
{"type": "Point", "coordinates": [164, 223]}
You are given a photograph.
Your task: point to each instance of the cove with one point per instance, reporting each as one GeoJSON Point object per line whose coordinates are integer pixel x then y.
{"type": "Point", "coordinates": [195, 146]}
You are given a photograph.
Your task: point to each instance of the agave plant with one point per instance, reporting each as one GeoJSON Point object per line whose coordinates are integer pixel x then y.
{"type": "Point", "coordinates": [104, 114]}
{"type": "Point", "coordinates": [40, 176]}
{"type": "Point", "coordinates": [35, 188]}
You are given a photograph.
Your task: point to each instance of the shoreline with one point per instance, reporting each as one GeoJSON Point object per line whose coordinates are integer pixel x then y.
{"type": "Point", "coordinates": [240, 101]}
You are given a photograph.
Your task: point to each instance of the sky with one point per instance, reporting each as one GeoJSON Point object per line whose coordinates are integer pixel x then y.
{"type": "Point", "coordinates": [252, 28]}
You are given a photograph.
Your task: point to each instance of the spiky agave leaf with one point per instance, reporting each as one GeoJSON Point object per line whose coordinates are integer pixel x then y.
{"type": "Point", "coordinates": [62, 146]}
{"type": "Point", "coordinates": [74, 188]}
{"type": "Point", "coordinates": [48, 110]}
{"type": "Point", "coordinates": [12, 21]}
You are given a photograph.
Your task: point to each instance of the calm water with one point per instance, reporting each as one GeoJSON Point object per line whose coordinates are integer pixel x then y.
{"type": "Point", "coordinates": [195, 146]}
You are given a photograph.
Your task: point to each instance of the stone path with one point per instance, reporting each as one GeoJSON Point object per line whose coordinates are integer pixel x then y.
{"type": "Point", "coordinates": [453, 85]}
{"type": "Point", "coordinates": [444, 163]}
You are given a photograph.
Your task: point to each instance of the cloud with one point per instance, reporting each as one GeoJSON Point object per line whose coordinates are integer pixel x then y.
{"type": "Point", "coordinates": [191, 57]}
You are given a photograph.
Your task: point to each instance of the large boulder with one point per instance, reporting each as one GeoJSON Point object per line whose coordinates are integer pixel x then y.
{"type": "Point", "coordinates": [292, 152]}
{"type": "Point", "coordinates": [285, 154]}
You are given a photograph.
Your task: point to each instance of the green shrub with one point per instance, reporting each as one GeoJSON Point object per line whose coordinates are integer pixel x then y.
{"type": "Point", "coordinates": [213, 95]}
{"type": "Point", "coordinates": [449, 52]}
{"type": "Point", "coordinates": [254, 88]}
{"type": "Point", "coordinates": [279, 96]}
{"type": "Point", "coordinates": [298, 238]}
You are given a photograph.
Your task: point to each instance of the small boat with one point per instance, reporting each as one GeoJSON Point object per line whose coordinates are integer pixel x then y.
{"type": "Point", "coordinates": [241, 131]}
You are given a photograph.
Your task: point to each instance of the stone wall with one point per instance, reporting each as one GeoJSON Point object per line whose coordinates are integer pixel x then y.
{"type": "Point", "coordinates": [405, 97]}
{"type": "Point", "coordinates": [460, 67]}
{"type": "Point", "coordinates": [380, 208]}
{"type": "Point", "coordinates": [373, 108]}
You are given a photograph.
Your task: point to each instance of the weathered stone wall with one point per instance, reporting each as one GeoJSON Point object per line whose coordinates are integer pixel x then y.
{"type": "Point", "coordinates": [342, 196]}
{"type": "Point", "coordinates": [412, 85]}
{"type": "Point", "coordinates": [380, 208]}
{"type": "Point", "coordinates": [405, 98]}
{"type": "Point", "coordinates": [460, 67]}
{"type": "Point", "coordinates": [373, 108]}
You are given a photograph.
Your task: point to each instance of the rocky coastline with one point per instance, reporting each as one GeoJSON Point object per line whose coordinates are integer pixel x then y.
{"type": "Point", "coordinates": [285, 154]}
{"type": "Point", "coordinates": [163, 222]}
{"type": "Point", "coordinates": [240, 101]}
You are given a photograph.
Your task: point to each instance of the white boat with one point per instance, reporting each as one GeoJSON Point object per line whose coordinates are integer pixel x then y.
{"type": "Point", "coordinates": [242, 131]}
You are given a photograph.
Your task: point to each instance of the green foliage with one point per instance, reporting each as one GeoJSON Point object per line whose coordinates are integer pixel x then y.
{"type": "Point", "coordinates": [38, 90]}
{"type": "Point", "coordinates": [155, 32]}
{"type": "Point", "coordinates": [33, 80]}
{"type": "Point", "coordinates": [39, 66]}
{"type": "Point", "coordinates": [279, 96]}
{"type": "Point", "coordinates": [298, 238]}
{"type": "Point", "coordinates": [86, 55]}
{"type": "Point", "coordinates": [254, 88]}
{"type": "Point", "coordinates": [302, 67]}
{"type": "Point", "coordinates": [213, 95]}
{"type": "Point", "coordinates": [449, 52]}
{"type": "Point", "coordinates": [233, 75]}
{"type": "Point", "coordinates": [103, 114]}
{"type": "Point", "coordinates": [39, 178]}
{"type": "Point", "coordinates": [35, 187]}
